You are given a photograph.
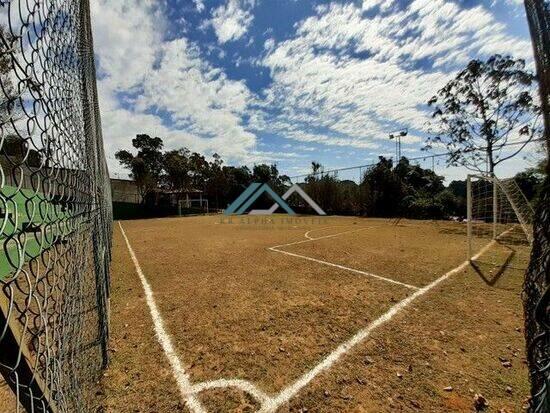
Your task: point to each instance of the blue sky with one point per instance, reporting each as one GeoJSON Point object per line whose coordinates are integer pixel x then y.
{"type": "Point", "coordinates": [289, 81]}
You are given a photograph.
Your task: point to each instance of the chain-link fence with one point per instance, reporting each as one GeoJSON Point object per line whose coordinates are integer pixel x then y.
{"type": "Point", "coordinates": [55, 227]}
{"type": "Point", "coordinates": [537, 280]}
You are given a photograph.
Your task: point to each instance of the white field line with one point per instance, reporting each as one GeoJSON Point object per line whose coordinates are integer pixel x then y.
{"type": "Point", "coordinates": [309, 239]}
{"type": "Point", "coordinates": [333, 226]}
{"type": "Point", "coordinates": [289, 392]}
{"type": "Point", "coordinates": [243, 385]}
{"type": "Point", "coordinates": [368, 274]}
{"type": "Point", "coordinates": [164, 339]}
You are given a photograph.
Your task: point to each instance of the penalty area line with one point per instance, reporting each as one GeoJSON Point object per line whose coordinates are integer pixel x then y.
{"type": "Point", "coordinates": [164, 339]}
{"type": "Point", "coordinates": [311, 239]}
{"type": "Point", "coordinates": [368, 274]}
{"type": "Point", "coordinates": [333, 226]}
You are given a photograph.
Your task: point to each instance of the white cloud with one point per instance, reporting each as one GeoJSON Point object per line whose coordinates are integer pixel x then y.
{"type": "Point", "coordinates": [125, 35]}
{"type": "Point", "coordinates": [383, 4]}
{"type": "Point", "coordinates": [412, 139]}
{"type": "Point", "coordinates": [517, 3]}
{"type": "Point", "coordinates": [269, 43]}
{"type": "Point", "coordinates": [201, 108]}
{"type": "Point", "coordinates": [197, 96]}
{"type": "Point", "coordinates": [232, 19]}
{"type": "Point", "coordinates": [199, 5]}
{"type": "Point", "coordinates": [346, 77]}
{"type": "Point", "coordinates": [355, 75]}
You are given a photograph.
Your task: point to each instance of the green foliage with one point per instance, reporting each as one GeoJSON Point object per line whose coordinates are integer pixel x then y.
{"type": "Point", "coordinates": [530, 182]}
{"type": "Point", "coordinates": [385, 189]}
{"type": "Point", "coordinates": [238, 179]}
{"type": "Point", "coordinates": [177, 169]}
{"type": "Point", "coordinates": [269, 174]}
{"type": "Point", "coordinates": [182, 171]}
{"type": "Point", "coordinates": [450, 204]}
{"type": "Point", "coordinates": [146, 167]}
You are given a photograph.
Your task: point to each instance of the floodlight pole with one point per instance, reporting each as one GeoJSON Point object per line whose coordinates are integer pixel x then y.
{"type": "Point", "coordinates": [397, 137]}
{"type": "Point", "coordinates": [398, 148]}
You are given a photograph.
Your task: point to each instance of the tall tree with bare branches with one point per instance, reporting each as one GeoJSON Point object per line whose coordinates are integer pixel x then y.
{"type": "Point", "coordinates": [487, 106]}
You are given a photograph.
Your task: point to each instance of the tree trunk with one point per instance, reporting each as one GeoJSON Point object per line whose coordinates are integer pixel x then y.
{"type": "Point", "coordinates": [490, 160]}
{"type": "Point", "coordinates": [536, 294]}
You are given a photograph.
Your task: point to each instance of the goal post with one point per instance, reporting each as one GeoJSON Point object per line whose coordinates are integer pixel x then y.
{"type": "Point", "coordinates": [199, 205]}
{"type": "Point", "coordinates": [496, 209]}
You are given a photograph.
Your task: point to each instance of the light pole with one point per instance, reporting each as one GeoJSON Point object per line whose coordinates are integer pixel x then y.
{"type": "Point", "coordinates": [397, 137]}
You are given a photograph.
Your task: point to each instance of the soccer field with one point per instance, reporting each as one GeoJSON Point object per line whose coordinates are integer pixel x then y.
{"type": "Point", "coordinates": [313, 314]}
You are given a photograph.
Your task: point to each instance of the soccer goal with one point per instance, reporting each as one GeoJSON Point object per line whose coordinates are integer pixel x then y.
{"type": "Point", "coordinates": [497, 209]}
{"type": "Point", "coordinates": [193, 206]}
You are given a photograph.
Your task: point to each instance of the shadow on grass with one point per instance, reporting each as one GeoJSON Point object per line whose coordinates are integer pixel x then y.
{"type": "Point", "coordinates": [491, 278]}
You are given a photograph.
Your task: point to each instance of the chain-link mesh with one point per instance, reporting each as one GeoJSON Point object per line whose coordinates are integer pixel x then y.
{"type": "Point", "coordinates": [537, 280]}
{"type": "Point", "coordinates": [55, 209]}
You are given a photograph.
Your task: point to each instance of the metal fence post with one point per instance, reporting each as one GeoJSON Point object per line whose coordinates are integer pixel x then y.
{"type": "Point", "coordinates": [469, 214]}
{"type": "Point", "coordinates": [495, 207]}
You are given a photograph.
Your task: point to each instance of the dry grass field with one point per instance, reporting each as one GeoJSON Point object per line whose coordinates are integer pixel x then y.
{"type": "Point", "coordinates": [329, 314]}
{"type": "Point", "coordinates": [7, 398]}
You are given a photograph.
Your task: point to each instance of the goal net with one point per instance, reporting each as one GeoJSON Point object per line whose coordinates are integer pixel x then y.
{"type": "Point", "coordinates": [497, 209]}
{"type": "Point", "coordinates": [193, 206]}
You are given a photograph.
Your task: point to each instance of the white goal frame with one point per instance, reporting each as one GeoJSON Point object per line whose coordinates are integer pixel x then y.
{"type": "Point", "coordinates": [521, 207]}
{"type": "Point", "coordinates": [188, 203]}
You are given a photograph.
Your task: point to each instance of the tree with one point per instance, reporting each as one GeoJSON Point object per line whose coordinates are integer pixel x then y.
{"type": "Point", "coordinates": [459, 190]}
{"type": "Point", "coordinates": [217, 186]}
{"type": "Point", "coordinates": [330, 193]}
{"type": "Point", "coordinates": [238, 179]}
{"type": "Point", "coordinates": [312, 184]}
{"type": "Point", "coordinates": [487, 106]}
{"type": "Point", "coordinates": [530, 181]}
{"type": "Point", "coordinates": [416, 178]}
{"type": "Point", "coordinates": [386, 188]}
{"type": "Point", "coordinates": [11, 110]}
{"type": "Point", "coordinates": [146, 167]}
{"type": "Point", "coordinates": [450, 204]}
{"type": "Point", "coordinates": [198, 169]}
{"type": "Point", "coordinates": [536, 288]}
{"type": "Point", "coordinates": [7, 91]}
{"type": "Point", "coordinates": [269, 174]}
{"type": "Point", "coordinates": [176, 168]}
